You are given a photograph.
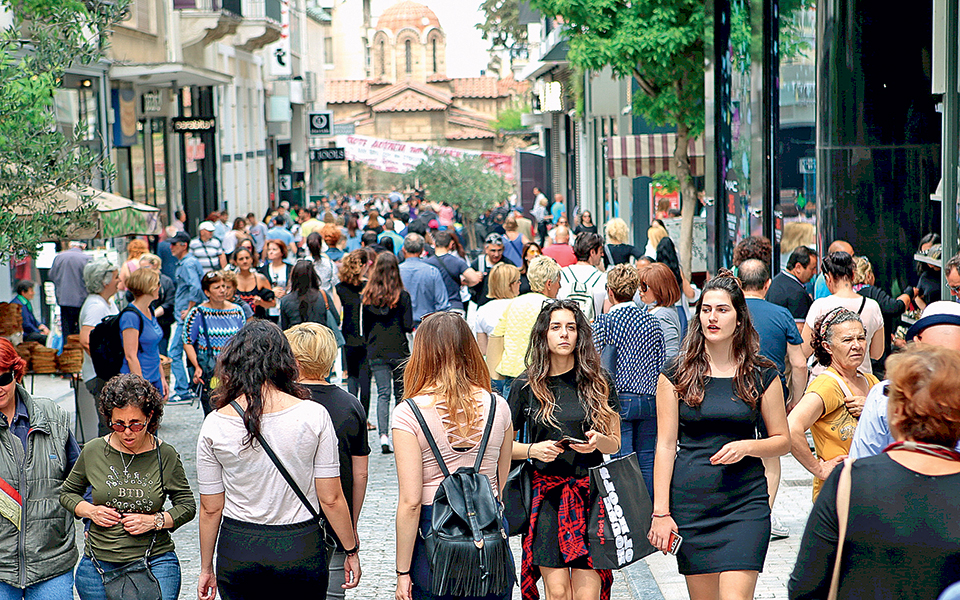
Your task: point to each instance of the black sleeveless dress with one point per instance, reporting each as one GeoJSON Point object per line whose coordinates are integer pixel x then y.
{"type": "Point", "coordinates": [722, 511]}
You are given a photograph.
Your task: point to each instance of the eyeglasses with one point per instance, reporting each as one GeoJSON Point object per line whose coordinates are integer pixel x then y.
{"type": "Point", "coordinates": [954, 289]}
{"type": "Point", "coordinates": [135, 427]}
{"type": "Point", "coordinates": [7, 378]}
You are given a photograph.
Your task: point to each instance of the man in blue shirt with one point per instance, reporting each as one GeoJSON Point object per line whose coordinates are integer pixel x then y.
{"type": "Point", "coordinates": [189, 293]}
{"type": "Point", "coordinates": [453, 270]}
{"type": "Point", "coordinates": [258, 231]}
{"type": "Point", "coordinates": [422, 280]}
{"type": "Point", "coordinates": [779, 340]}
{"type": "Point", "coordinates": [278, 232]}
{"type": "Point", "coordinates": [939, 325]}
{"type": "Point", "coordinates": [559, 208]}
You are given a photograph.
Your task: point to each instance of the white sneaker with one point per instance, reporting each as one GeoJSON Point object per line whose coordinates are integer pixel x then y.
{"type": "Point", "coordinates": [385, 445]}
{"type": "Point", "coordinates": [778, 530]}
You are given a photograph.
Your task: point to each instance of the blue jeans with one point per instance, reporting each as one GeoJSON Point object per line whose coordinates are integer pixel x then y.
{"type": "Point", "coordinates": [165, 567]}
{"type": "Point", "coordinates": [182, 385]}
{"type": "Point", "coordinates": [386, 373]}
{"type": "Point", "coordinates": [57, 588]}
{"type": "Point", "coordinates": [638, 432]}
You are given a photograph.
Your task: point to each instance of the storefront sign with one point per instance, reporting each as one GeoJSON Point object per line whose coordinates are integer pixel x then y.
{"type": "Point", "coordinates": [325, 154]}
{"type": "Point", "coordinates": [184, 124]}
{"type": "Point", "coordinates": [401, 157]}
{"type": "Point", "coordinates": [278, 53]}
{"type": "Point", "coordinates": [321, 123]}
{"type": "Point", "coordinates": [152, 102]}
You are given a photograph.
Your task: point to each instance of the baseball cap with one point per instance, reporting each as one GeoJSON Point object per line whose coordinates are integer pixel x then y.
{"type": "Point", "coordinates": [433, 224]}
{"type": "Point", "coordinates": [180, 238]}
{"type": "Point", "coordinates": [207, 226]}
{"type": "Point", "coordinates": [941, 312]}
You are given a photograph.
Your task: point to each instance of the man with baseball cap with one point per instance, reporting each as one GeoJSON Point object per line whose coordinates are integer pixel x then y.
{"type": "Point", "coordinates": [207, 249]}
{"type": "Point", "coordinates": [189, 293]}
{"type": "Point", "coordinates": [939, 325]}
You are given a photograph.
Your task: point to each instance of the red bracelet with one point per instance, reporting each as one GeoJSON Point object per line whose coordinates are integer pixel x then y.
{"type": "Point", "coordinates": [656, 516]}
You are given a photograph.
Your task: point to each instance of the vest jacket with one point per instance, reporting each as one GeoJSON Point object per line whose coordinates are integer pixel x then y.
{"type": "Point", "coordinates": [43, 546]}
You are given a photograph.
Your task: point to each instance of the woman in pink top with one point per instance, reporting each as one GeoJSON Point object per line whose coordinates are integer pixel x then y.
{"type": "Point", "coordinates": [448, 379]}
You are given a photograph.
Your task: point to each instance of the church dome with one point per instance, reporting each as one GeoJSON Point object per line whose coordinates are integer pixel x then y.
{"type": "Point", "coordinates": [407, 14]}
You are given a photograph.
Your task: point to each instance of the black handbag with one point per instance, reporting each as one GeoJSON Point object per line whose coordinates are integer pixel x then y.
{"type": "Point", "coordinates": [518, 490]}
{"type": "Point", "coordinates": [620, 514]}
{"type": "Point", "coordinates": [134, 580]}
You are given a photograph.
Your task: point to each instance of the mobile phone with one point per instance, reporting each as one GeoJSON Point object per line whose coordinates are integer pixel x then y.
{"type": "Point", "coordinates": [674, 542]}
{"type": "Point", "coordinates": [566, 440]}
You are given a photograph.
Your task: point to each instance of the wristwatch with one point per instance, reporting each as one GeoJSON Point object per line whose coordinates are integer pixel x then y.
{"type": "Point", "coordinates": [158, 521]}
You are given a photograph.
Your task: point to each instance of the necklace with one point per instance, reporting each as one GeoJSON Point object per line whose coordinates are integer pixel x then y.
{"type": "Point", "coordinates": [924, 448]}
{"type": "Point", "coordinates": [126, 465]}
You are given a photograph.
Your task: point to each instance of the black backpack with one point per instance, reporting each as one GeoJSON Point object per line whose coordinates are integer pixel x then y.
{"type": "Point", "coordinates": [466, 544]}
{"type": "Point", "coordinates": [106, 345]}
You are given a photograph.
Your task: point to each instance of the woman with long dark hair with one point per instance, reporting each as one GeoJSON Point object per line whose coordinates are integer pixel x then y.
{"type": "Point", "coordinates": [352, 232]}
{"type": "Point", "coordinates": [353, 277]}
{"type": "Point", "coordinates": [712, 491]}
{"type": "Point", "coordinates": [385, 320]}
{"type": "Point", "coordinates": [324, 266]}
{"type": "Point", "coordinates": [252, 287]}
{"type": "Point", "coordinates": [531, 250]}
{"type": "Point", "coordinates": [667, 254]}
{"type": "Point", "coordinates": [306, 302]}
{"type": "Point", "coordinates": [447, 379]}
{"type": "Point", "coordinates": [265, 538]}
{"type": "Point", "coordinates": [572, 415]}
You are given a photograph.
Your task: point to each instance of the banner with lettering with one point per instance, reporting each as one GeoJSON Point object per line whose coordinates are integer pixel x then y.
{"type": "Point", "coordinates": [401, 157]}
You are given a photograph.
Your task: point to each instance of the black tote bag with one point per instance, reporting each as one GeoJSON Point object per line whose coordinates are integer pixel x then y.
{"type": "Point", "coordinates": [620, 514]}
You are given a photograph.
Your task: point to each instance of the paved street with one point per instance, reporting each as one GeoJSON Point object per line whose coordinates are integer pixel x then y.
{"type": "Point", "coordinates": [655, 578]}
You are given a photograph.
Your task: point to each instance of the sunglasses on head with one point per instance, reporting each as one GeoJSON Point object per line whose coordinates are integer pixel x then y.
{"type": "Point", "coordinates": [135, 427]}
{"type": "Point", "coordinates": [7, 378]}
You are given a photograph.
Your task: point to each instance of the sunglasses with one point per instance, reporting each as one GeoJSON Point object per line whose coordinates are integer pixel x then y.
{"type": "Point", "coordinates": [953, 288]}
{"type": "Point", "coordinates": [7, 378]}
{"type": "Point", "coordinates": [135, 427]}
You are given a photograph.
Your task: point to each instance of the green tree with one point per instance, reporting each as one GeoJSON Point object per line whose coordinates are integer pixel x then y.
{"type": "Point", "coordinates": [502, 28]}
{"type": "Point", "coordinates": [465, 183]}
{"type": "Point", "coordinates": [38, 162]}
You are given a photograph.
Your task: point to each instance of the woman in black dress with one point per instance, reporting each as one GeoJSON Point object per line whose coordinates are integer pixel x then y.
{"type": "Point", "coordinates": [564, 396]}
{"type": "Point", "coordinates": [712, 397]}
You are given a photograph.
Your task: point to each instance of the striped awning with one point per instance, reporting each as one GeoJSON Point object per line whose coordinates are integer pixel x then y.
{"type": "Point", "coordinates": [646, 155]}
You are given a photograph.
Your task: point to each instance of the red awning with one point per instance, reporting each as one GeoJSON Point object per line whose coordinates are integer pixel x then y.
{"type": "Point", "coordinates": [646, 155]}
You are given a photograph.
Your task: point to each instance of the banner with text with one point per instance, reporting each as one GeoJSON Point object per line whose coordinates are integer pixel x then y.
{"type": "Point", "coordinates": [402, 157]}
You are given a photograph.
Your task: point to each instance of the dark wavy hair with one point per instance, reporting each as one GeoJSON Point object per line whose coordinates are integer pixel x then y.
{"type": "Point", "coordinates": [129, 389]}
{"type": "Point", "coordinates": [258, 355]}
{"type": "Point", "coordinates": [593, 387]}
{"type": "Point", "coordinates": [383, 282]}
{"type": "Point", "coordinates": [823, 332]}
{"type": "Point", "coordinates": [693, 365]}
{"type": "Point", "coordinates": [667, 254]}
{"type": "Point", "coordinates": [305, 283]}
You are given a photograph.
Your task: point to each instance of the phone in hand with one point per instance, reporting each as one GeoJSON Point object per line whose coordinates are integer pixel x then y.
{"type": "Point", "coordinates": [566, 440]}
{"type": "Point", "coordinates": [674, 542]}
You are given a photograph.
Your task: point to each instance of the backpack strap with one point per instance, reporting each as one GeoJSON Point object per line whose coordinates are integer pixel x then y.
{"type": "Point", "coordinates": [843, 384]}
{"type": "Point", "coordinates": [486, 434]}
{"type": "Point", "coordinates": [429, 436]}
{"type": "Point", "coordinates": [606, 249]}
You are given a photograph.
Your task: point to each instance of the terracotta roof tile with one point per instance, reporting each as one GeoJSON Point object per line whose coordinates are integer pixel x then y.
{"type": "Point", "coordinates": [475, 87]}
{"type": "Point", "coordinates": [408, 101]}
{"type": "Point", "coordinates": [345, 91]}
{"type": "Point", "coordinates": [470, 134]}
{"type": "Point", "coordinates": [408, 14]}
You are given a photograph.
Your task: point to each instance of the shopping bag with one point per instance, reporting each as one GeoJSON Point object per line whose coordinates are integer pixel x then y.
{"type": "Point", "coordinates": [620, 514]}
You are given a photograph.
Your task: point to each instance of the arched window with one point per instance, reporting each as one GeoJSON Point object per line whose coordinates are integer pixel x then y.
{"type": "Point", "coordinates": [383, 59]}
{"type": "Point", "coordinates": [408, 49]}
{"type": "Point", "coordinates": [433, 50]}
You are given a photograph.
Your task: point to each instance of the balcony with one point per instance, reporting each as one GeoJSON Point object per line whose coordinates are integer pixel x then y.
{"type": "Point", "coordinates": [206, 21]}
{"type": "Point", "coordinates": [261, 24]}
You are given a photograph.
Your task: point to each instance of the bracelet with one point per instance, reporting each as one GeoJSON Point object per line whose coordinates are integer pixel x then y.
{"type": "Point", "coordinates": [656, 516]}
{"type": "Point", "coordinates": [353, 550]}
{"type": "Point", "coordinates": [529, 447]}
{"type": "Point", "coordinates": [402, 573]}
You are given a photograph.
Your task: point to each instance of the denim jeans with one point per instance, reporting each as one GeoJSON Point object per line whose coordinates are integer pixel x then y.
{"type": "Point", "coordinates": [165, 567]}
{"type": "Point", "coordinates": [56, 588]}
{"type": "Point", "coordinates": [182, 385]}
{"type": "Point", "coordinates": [386, 373]}
{"type": "Point", "coordinates": [638, 431]}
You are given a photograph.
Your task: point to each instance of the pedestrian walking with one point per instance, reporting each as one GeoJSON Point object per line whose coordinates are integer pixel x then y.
{"type": "Point", "coordinates": [307, 302]}
{"type": "Point", "coordinates": [618, 250]}
{"type": "Point", "coordinates": [141, 332]}
{"type": "Point", "coordinates": [325, 267]}
{"type": "Point", "coordinates": [233, 237]}
{"type": "Point", "coordinates": [189, 293]}
{"type": "Point", "coordinates": [135, 249]}
{"type": "Point", "coordinates": [266, 539]}
{"type": "Point", "coordinates": [66, 273]}
{"type": "Point", "coordinates": [447, 379]}
{"type": "Point", "coordinates": [315, 349]}
{"type": "Point", "coordinates": [454, 270]}
{"type": "Point", "coordinates": [207, 249]}
{"type": "Point", "coordinates": [492, 254]}
{"type": "Point", "coordinates": [353, 278]}
{"type": "Point", "coordinates": [100, 277]}
{"type": "Point", "coordinates": [711, 488]}
{"type": "Point", "coordinates": [571, 412]}
{"type": "Point", "coordinates": [385, 320]}
{"type": "Point", "coordinates": [163, 306]}
{"type": "Point", "coordinates": [864, 283]}
{"type": "Point", "coordinates": [257, 231]}
{"type": "Point", "coordinates": [422, 280]}
{"type": "Point", "coordinates": [583, 281]}
{"type": "Point", "coordinates": [206, 331]}
{"type": "Point", "coordinates": [37, 539]}
{"type": "Point", "coordinates": [560, 250]}
{"type": "Point", "coordinates": [531, 250]}
{"type": "Point", "coordinates": [788, 287]}
{"type": "Point", "coordinates": [887, 526]}
{"type": "Point", "coordinates": [131, 474]}
{"type": "Point", "coordinates": [252, 287]}
{"type": "Point", "coordinates": [504, 287]}
{"type": "Point", "coordinates": [659, 293]}
{"type": "Point", "coordinates": [277, 271]}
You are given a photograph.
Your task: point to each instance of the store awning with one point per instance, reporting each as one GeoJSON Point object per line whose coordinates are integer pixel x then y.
{"type": "Point", "coordinates": [116, 216]}
{"type": "Point", "coordinates": [649, 154]}
{"type": "Point", "coordinates": [165, 74]}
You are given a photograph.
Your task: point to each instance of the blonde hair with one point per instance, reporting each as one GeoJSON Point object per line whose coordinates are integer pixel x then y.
{"type": "Point", "coordinates": [510, 223]}
{"type": "Point", "coordinates": [228, 277]}
{"type": "Point", "coordinates": [136, 248]}
{"type": "Point", "coordinates": [616, 231]}
{"type": "Point", "coordinates": [153, 259]}
{"type": "Point", "coordinates": [502, 277]}
{"type": "Point", "coordinates": [142, 281]}
{"type": "Point", "coordinates": [655, 234]}
{"type": "Point", "coordinates": [314, 347]}
{"type": "Point", "coordinates": [862, 269]}
{"type": "Point", "coordinates": [623, 281]}
{"type": "Point", "coordinates": [541, 271]}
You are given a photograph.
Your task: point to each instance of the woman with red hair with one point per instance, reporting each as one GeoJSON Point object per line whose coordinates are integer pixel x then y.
{"type": "Point", "coordinates": [37, 541]}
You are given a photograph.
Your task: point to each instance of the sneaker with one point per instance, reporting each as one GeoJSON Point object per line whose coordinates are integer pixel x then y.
{"type": "Point", "coordinates": [385, 445]}
{"type": "Point", "coordinates": [777, 529]}
{"type": "Point", "coordinates": [185, 399]}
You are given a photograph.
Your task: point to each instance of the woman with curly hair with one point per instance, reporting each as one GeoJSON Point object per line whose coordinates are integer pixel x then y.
{"type": "Point", "coordinates": [712, 490]}
{"type": "Point", "coordinates": [833, 401]}
{"type": "Point", "coordinates": [353, 277]}
{"type": "Point", "coordinates": [131, 473]}
{"type": "Point", "coordinates": [570, 410]}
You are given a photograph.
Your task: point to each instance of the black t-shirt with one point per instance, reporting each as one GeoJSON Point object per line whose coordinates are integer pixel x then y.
{"type": "Point", "coordinates": [621, 253]}
{"type": "Point", "coordinates": [350, 299]}
{"type": "Point", "coordinates": [570, 416]}
{"type": "Point", "coordinates": [901, 541]}
{"type": "Point", "coordinates": [350, 422]}
{"type": "Point", "coordinates": [788, 292]}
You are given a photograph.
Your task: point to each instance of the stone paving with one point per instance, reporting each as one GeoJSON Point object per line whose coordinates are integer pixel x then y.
{"type": "Point", "coordinates": [654, 578]}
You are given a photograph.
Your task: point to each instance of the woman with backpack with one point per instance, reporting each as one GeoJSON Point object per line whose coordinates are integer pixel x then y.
{"type": "Point", "coordinates": [448, 382]}
{"type": "Point", "coordinates": [567, 409]}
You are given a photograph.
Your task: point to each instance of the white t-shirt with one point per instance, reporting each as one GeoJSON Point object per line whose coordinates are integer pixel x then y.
{"type": "Point", "coordinates": [585, 274]}
{"type": "Point", "coordinates": [304, 440]}
{"type": "Point", "coordinates": [870, 315]}
{"type": "Point", "coordinates": [94, 309]}
{"type": "Point", "coordinates": [489, 315]}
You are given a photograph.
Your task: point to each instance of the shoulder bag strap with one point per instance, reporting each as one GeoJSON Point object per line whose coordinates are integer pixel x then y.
{"type": "Point", "coordinates": [283, 470]}
{"type": "Point", "coordinates": [486, 434]}
{"type": "Point", "coordinates": [863, 303]}
{"type": "Point", "coordinates": [843, 512]}
{"type": "Point", "coordinates": [606, 249]}
{"type": "Point", "coordinates": [843, 384]}
{"type": "Point", "coordinates": [429, 436]}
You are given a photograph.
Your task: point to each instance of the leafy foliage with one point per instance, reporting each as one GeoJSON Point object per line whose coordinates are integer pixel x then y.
{"type": "Point", "coordinates": [501, 26]}
{"type": "Point", "coordinates": [509, 119]}
{"type": "Point", "coordinates": [335, 182]}
{"type": "Point", "coordinates": [666, 182]}
{"type": "Point", "coordinates": [37, 161]}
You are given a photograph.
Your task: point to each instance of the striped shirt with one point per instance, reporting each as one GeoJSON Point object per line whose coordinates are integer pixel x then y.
{"type": "Point", "coordinates": [222, 324]}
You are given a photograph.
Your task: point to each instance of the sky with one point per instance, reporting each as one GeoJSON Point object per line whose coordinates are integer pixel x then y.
{"type": "Point", "coordinates": [466, 50]}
